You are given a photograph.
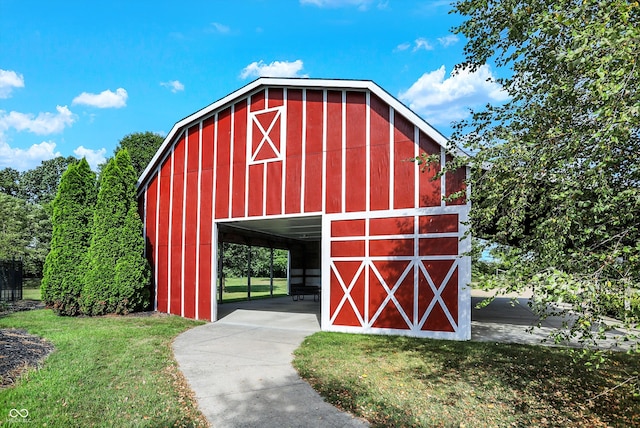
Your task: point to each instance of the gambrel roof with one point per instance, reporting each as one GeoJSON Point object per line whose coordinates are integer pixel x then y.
{"type": "Point", "coordinates": [317, 84]}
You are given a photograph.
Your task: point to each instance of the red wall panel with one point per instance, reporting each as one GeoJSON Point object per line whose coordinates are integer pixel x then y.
{"type": "Point", "coordinates": [175, 275]}
{"type": "Point", "coordinates": [163, 278]}
{"type": "Point", "coordinates": [379, 154]}
{"type": "Point", "coordinates": [438, 246]}
{"type": "Point", "coordinates": [204, 291]}
{"type": "Point", "coordinates": [206, 206]}
{"type": "Point", "coordinates": [313, 151]}
{"type": "Point", "coordinates": [191, 209]}
{"type": "Point", "coordinates": [454, 182]}
{"type": "Point", "coordinates": [294, 151]}
{"type": "Point", "coordinates": [444, 223]}
{"type": "Point", "coordinates": [150, 218]}
{"type": "Point", "coordinates": [276, 97]}
{"type": "Point", "coordinates": [255, 189]}
{"type": "Point", "coordinates": [239, 159]}
{"type": "Point", "coordinates": [258, 101]}
{"type": "Point", "coordinates": [347, 249]}
{"type": "Point", "coordinates": [342, 228]}
{"type": "Point", "coordinates": [208, 128]}
{"type": "Point", "coordinates": [404, 181]}
{"type": "Point", "coordinates": [391, 226]}
{"type": "Point", "coordinates": [356, 153]}
{"type": "Point", "coordinates": [430, 189]}
{"type": "Point", "coordinates": [163, 235]}
{"type": "Point", "coordinates": [274, 188]}
{"type": "Point", "coordinates": [204, 255]}
{"type": "Point", "coordinates": [223, 160]}
{"type": "Point", "coordinates": [333, 190]}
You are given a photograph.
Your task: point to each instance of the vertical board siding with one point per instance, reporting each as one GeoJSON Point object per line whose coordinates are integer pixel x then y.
{"type": "Point", "coordinates": [313, 152]}
{"type": "Point", "coordinates": [175, 236]}
{"type": "Point", "coordinates": [379, 155]}
{"type": "Point", "coordinates": [164, 211]}
{"type": "Point", "coordinates": [333, 191]}
{"type": "Point", "coordinates": [190, 222]}
{"type": "Point", "coordinates": [150, 223]}
{"type": "Point", "coordinates": [344, 153]}
{"type": "Point", "coordinates": [223, 160]}
{"type": "Point", "coordinates": [455, 182]}
{"type": "Point", "coordinates": [356, 152]}
{"type": "Point", "coordinates": [430, 189]}
{"type": "Point", "coordinates": [239, 158]}
{"type": "Point", "coordinates": [404, 170]}
{"type": "Point", "coordinates": [293, 172]}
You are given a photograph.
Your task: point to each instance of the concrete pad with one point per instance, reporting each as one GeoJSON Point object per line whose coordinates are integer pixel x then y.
{"type": "Point", "coordinates": [240, 367]}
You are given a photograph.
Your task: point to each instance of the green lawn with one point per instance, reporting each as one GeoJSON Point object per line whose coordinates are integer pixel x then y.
{"type": "Point", "coordinates": [31, 289]}
{"type": "Point", "coordinates": [409, 382]}
{"type": "Point", "coordinates": [104, 372]}
{"type": "Point", "coordinates": [235, 289]}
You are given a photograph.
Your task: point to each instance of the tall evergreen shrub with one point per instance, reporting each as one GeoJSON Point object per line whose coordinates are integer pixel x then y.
{"type": "Point", "coordinates": [118, 277]}
{"type": "Point", "coordinates": [66, 263]}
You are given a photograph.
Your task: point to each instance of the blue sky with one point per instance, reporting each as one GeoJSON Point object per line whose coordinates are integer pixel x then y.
{"type": "Point", "coordinates": [77, 76]}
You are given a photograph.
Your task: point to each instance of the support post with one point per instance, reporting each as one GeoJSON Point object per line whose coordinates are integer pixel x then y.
{"type": "Point", "coordinates": [248, 272]}
{"type": "Point", "coordinates": [221, 275]}
{"type": "Point", "coordinates": [271, 273]}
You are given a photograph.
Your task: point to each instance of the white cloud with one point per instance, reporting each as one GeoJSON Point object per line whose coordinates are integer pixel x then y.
{"type": "Point", "coordinates": [94, 157]}
{"type": "Point", "coordinates": [360, 4]}
{"type": "Point", "coordinates": [403, 47]}
{"type": "Point", "coordinates": [422, 43]}
{"type": "Point", "coordinates": [105, 99]}
{"type": "Point", "coordinates": [174, 85]}
{"type": "Point", "coordinates": [30, 158]}
{"type": "Point", "coordinates": [220, 28]}
{"type": "Point", "coordinates": [8, 81]}
{"type": "Point", "coordinates": [441, 100]}
{"type": "Point", "coordinates": [448, 40]}
{"type": "Point", "coordinates": [274, 69]}
{"type": "Point", "coordinates": [43, 124]}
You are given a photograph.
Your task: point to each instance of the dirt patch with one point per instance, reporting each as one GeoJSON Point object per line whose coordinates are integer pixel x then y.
{"type": "Point", "coordinates": [20, 351]}
{"type": "Point", "coordinates": [20, 305]}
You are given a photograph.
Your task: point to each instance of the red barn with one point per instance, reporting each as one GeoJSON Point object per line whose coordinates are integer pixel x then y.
{"type": "Point", "coordinates": [320, 167]}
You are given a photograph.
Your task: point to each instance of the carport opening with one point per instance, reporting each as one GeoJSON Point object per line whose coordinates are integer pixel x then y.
{"type": "Point", "coordinates": [252, 272]}
{"type": "Point", "coordinates": [260, 259]}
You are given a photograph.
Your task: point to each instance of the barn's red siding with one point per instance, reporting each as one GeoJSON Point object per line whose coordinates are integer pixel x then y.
{"type": "Point", "coordinates": [336, 152]}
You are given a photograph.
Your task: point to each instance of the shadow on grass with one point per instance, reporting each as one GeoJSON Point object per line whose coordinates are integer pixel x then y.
{"type": "Point", "coordinates": [520, 384]}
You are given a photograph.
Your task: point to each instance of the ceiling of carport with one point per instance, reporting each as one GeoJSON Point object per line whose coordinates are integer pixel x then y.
{"type": "Point", "coordinates": [298, 228]}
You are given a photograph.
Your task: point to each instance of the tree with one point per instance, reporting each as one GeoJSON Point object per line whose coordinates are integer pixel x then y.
{"type": "Point", "coordinates": [13, 222]}
{"type": "Point", "coordinates": [556, 169]}
{"type": "Point", "coordinates": [39, 185]}
{"type": "Point", "coordinates": [66, 263]}
{"type": "Point", "coordinates": [118, 277]}
{"type": "Point", "coordinates": [142, 146]}
{"type": "Point", "coordinates": [9, 181]}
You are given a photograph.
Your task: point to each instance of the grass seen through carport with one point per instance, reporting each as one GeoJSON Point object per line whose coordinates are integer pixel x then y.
{"type": "Point", "coordinates": [104, 372]}
{"type": "Point", "coordinates": [410, 382]}
{"type": "Point", "coordinates": [235, 289]}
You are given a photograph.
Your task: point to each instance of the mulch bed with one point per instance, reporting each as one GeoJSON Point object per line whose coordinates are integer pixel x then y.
{"type": "Point", "coordinates": [20, 350]}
